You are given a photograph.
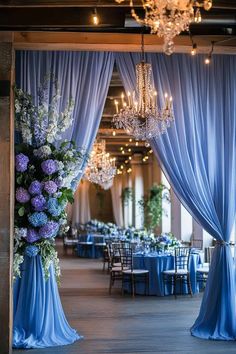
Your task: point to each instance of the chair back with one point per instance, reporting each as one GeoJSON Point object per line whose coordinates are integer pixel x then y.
{"type": "Point", "coordinates": [209, 253]}
{"type": "Point", "coordinates": [126, 256]}
{"type": "Point", "coordinates": [197, 244]}
{"type": "Point", "coordinates": [182, 255]}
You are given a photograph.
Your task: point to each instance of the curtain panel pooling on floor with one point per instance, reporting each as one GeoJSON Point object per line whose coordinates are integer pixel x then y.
{"type": "Point", "coordinates": [198, 156]}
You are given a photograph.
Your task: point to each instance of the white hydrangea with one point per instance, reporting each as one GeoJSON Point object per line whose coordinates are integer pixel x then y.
{"type": "Point", "coordinates": [43, 152]}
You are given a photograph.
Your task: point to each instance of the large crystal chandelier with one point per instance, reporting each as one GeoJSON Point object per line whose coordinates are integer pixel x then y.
{"type": "Point", "coordinates": [101, 167]}
{"type": "Point", "coordinates": [139, 115]}
{"type": "Point", "coordinates": [167, 18]}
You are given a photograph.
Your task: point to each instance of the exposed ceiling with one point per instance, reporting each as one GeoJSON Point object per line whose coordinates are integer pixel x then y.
{"type": "Point", "coordinates": [76, 16]}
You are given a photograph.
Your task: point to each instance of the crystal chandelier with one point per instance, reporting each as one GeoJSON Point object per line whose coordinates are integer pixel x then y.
{"type": "Point", "coordinates": [139, 115]}
{"type": "Point", "coordinates": [101, 168]}
{"type": "Point", "coordinates": [167, 18]}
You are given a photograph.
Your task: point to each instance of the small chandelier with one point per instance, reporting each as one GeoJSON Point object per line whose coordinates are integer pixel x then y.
{"type": "Point", "coordinates": [167, 18]}
{"type": "Point", "coordinates": [101, 168]}
{"type": "Point", "coordinates": [141, 117]}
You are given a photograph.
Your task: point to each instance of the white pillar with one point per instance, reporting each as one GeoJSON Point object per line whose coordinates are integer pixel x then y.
{"type": "Point", "coordinates": [138, 188]}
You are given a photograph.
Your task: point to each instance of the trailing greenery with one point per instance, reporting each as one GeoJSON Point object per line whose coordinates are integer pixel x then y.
{"type": "Point", "coordinates": [151, 206]}
{"type": "Point", "coordinates": [127, 195]}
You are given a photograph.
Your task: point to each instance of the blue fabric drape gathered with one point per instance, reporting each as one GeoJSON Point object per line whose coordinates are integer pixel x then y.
{"type": "Point", "coordinates": [82, 76]}
{"type": "Point", "coordinates": [39, 320]}
{"type": "Point", "coordinates": [198, 156]}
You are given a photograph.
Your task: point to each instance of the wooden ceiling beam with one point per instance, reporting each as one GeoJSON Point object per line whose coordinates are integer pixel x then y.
{"type": "Point", "coordinates": [63, 3]}
{"type": "Point", "coordinates": [123, 42]}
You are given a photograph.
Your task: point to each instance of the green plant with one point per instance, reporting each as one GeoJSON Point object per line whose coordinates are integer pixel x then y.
{"type": "Point", "coordinates": [151, 206]}
{"type": "Point", "coordinates": [127, 195]}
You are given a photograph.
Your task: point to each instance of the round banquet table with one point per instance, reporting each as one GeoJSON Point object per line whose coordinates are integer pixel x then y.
{"type": "Point", "coordinates": [156, 264]}
{"type": "Point", "coordinates": [90, 246]}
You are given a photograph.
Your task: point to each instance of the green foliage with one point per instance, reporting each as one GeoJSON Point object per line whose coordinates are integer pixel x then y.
{"type": "Point", "coordinates": [127, 195]}
{"type": "Point", "coordinates": [152, 206]}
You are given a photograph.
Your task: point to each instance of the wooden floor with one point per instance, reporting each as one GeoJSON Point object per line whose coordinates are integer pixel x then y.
{"type": "Point", "coordinates": [122, 325]}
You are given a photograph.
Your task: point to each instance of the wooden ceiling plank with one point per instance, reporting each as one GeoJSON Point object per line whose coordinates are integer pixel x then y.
{"type": "Point", "coordinates": [122, 42]}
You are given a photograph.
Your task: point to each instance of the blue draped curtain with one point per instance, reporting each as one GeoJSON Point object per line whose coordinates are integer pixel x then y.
{"type": "Point", "coordinates": [82, 76]}
{"type": "Point", "coordinates": [198, 156]}
{"type": "Point", "coordinates": [39, 320]}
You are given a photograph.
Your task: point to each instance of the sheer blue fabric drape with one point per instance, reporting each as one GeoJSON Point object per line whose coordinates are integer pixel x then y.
{"type": "Point", "coordinates": [39, 320]}
{"type": "Point", "coordinates": [82, 76]}
{"type": "Point", "coordinates": [198, 155]}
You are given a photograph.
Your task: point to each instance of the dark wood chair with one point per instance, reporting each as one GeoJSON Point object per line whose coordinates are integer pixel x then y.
{"type": "Point", "coordinates": [180, 274]}
{"type": "Point", "coordinates": [202, 272]}
{"type": "Point", "coordinates": [129, 274]}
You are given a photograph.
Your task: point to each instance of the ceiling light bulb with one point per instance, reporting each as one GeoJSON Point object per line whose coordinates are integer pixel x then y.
{"type": "Point", "coordinates": [95, 17]}
{"type": "Point", "coordinates": [194, 49]}
{"type": "Point", "coordinates": [207, 60]}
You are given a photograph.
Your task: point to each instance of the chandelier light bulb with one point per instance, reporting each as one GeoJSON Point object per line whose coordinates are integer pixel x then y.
{"type": "Point", "coordinates": [198, 17]}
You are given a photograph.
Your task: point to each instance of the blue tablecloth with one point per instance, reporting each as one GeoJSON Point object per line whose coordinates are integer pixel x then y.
{"type": "Point", "coordinates": [156, 263]}
{"type": "Point", "coordinates": [39, 319]}
{"type": "Point", "coordinates": [93, 249]}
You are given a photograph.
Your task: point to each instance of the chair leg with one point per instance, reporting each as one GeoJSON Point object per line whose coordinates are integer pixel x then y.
{"type": "Point", "coordinates": [164, 283]}
{"type": "Point", "coordinates": [189, 285]}
{"type": "Point", "coordinates": [111, 282]}
{"type": "Point", "coordinates": [122, 286]}
{"type": "Point", "coordinates": [132, 284]}
{"type": "Point", "coordinates": [175, 286]}
{"type": "Point", "coordinates": [147, 284]}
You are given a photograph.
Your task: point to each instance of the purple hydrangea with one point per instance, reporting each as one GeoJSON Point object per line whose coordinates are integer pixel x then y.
{"type": "Point", "coordinates": [49, 230]}
{"type": "Point", "coordinates": [38, 202]}
{"type": "Point", "coordinates": [59, 181]}
{"type": "Point", "coordinates": [21, 162]}
{"type": "Point", "coordinates": [31, 251]}
{"type": "Point", "coordinates": [50, 187]}
{"type": "Point", "coordinates": [22, 195]}
{"type": "Point", "coordinates": [49, 167]}
{"type": "Point", "coordinates": [32, 236]}
{"type": "Point", "coordinates": [38, 219]}
{"type": "Point", "coordinates": [35, 188]}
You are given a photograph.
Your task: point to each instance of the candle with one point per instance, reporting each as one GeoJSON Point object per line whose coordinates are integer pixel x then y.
{"type": "Point", "coordinates": [129, 100]}
{"type": "Point", "coordinates": [116, 104]}
{"type": "Point", "coordinates": [122, 99]}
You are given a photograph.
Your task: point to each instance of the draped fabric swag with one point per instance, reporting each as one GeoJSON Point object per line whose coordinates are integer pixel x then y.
{"type": "Point", "coordinates": [198, 156]}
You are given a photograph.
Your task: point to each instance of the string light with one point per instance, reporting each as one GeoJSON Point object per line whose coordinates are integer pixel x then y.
{"type": "Point", "coordinates": [130, 140]}
{"type": "Point", "coordinates": [194, 49]}
{"type": "Point", "coordinates": [208, 59]}
{"type": "Point", "coordinates": [95, 17]}
{"type": "Point", "coordinates": [136, 144]}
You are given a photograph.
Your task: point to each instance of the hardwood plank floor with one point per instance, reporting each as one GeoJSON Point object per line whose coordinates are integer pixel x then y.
{"type": "Point", "coordinates": [122, 325]}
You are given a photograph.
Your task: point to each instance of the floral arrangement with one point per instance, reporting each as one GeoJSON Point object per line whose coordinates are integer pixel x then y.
{"type": "Point", "coordinates": [46, 177]}
{"type": "Point", "coordinates": [165, 242]}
